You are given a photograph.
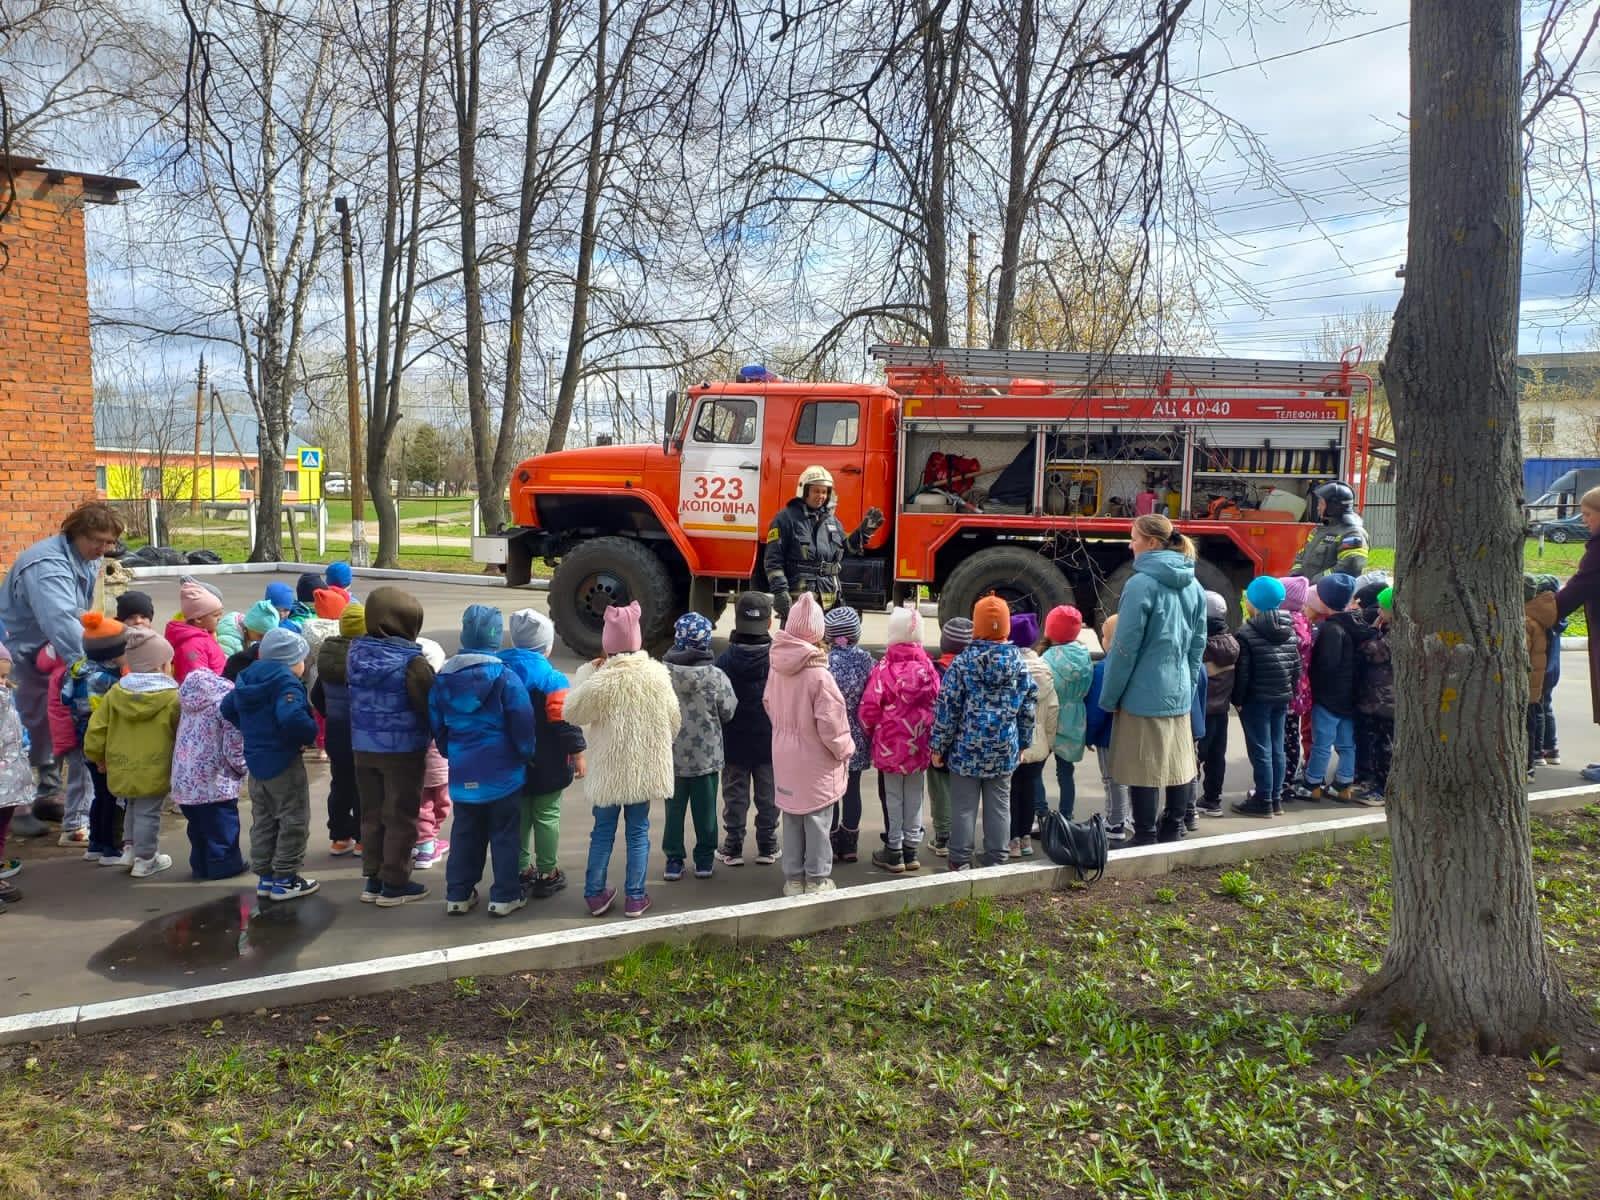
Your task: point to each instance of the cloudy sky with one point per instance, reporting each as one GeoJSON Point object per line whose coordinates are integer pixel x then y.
{"type": "Point", "coordinates": [1331, 110]}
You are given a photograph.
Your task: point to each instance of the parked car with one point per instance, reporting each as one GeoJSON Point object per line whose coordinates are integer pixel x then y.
{"type": "Point", "coordinates": [336, 483]}
{"type": "Point", "coordinates": [1560, 530]}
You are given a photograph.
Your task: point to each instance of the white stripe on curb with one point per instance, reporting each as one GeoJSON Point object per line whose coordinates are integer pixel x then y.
{"type": "Point", "coordinates": [760, 920]}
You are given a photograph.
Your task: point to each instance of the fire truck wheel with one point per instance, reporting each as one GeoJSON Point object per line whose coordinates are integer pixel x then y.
{"type": "Point", "coordinates": [596, 574]}
{"type": "Point", "coordinates": [1024, 579]}
{"type": "Point", "coordinates": [1207, 574]}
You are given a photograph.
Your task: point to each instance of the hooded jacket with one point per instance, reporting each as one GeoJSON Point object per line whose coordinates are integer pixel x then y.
{"type": "Point", "coordinates": [389, 678]}
{"type": "Point", "coordinates": [1071, 673]}
{"type": "Point", "coordinates": [629, 715]}
{"type": "Point", "coordinates": [16, 775]}
{"type": "Point", "coordinates": [556, 741]}
{"type": "Point", "coordinates": [811, 742]}
{"type": "Point", "coordinates": [230, 633]}
{"type": "Point", "coordinates": [193, 647]}
{"type": "Point", "coordinates": [132, 733]}
{"type": "Point", "coordinates": [269, 705]}
{"type": "Point", "coordinates": [482, 722]}
{"type": "Point", "coordinates": [1219, 660]}
{"type": "Point", "coordinates": [1268, 667]}
{"type": "Point", "coordinates": [850, 666]}
{"type": "Point", "coordinates": [83, 688]}
{"type": "Point", "coordinates": [747, 737]}
{"type": "Point", "coordinates": [1335, 654]}
{"type": "Point", "coordinates": [64, 736]}
{"type": "Point", "coordinates": [1376, 698]}
{"type": "Point", "coordinates": [1154, 663]}
{"type": "Point", "coordinates": [705, 700]}
{"type": "Point", "coordinates": [986, 710]}
{"type": "Point", "coordinates": [1047, 715]}
{"type": "Point", "coordinates": [1300, 705]}
{"type": "Point", "coordinates": [208, 757]}
{"type": "Point", "coordinates": [48, 585]}
{"type": "Point", "coordinates": [1538, 619]}
{"type": "Point", "coordinates": [897, 709]}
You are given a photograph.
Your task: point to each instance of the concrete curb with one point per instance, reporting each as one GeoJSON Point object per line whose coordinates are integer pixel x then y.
{"type": "Point", "coordinates": [293, 568]}
{"type": "Point", "coordinates": [761, 920]}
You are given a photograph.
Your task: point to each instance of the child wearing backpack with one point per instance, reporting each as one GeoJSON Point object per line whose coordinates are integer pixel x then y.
{"type": "Point", "coordinates": [897, 714]}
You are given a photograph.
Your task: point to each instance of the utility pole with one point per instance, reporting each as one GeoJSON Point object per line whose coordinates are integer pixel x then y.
{"type": "Point", "coordinates": [199, 419]}
{"type": "Point", "coordinates": [352, 387]}
{"type": "Point", "coordinates": [972, 289]}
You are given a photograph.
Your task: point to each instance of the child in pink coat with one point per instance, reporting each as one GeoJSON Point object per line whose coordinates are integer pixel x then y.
{"type": "Point", "coordinates": [811, 745]}
{"type": "Point", "coordinates": [897, 713]}
{"type": "Point", "coordinates": [64, 743]}
{"type": "Point", "coordinates": [193, 636]}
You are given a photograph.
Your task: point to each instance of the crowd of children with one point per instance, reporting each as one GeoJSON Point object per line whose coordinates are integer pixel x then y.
{"type": "Point", "coordinates": [486, 742]}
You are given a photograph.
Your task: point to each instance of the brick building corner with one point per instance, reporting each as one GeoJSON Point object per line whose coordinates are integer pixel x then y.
{"type": "Point", "coordinates": [46, 381]}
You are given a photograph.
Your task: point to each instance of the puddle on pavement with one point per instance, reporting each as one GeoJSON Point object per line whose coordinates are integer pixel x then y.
{"type": "Point", "coordinates": [231, 937]}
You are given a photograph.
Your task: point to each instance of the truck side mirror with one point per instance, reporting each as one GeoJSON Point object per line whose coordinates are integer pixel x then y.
{"type": "Point", "coordinates": [669, 426]}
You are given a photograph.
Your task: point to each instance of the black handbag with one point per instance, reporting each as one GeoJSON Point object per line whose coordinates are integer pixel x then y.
{"type": "Point", "coordinates": [1081, 845]}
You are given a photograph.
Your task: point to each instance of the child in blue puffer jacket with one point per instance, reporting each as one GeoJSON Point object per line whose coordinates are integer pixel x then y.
{"type": "Point", "coordinates": [482, 722]}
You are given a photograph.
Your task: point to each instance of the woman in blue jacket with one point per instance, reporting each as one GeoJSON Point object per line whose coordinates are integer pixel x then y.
{"type": "Point", "coordinates": [1152, 671]}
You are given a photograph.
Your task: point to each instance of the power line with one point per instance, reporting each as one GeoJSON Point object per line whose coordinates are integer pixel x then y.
{"type": "Point", "coordinates": [1352, 37]}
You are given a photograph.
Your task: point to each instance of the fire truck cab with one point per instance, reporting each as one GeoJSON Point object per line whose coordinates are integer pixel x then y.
{"type": "Point", "coordinates": [1016, 473]}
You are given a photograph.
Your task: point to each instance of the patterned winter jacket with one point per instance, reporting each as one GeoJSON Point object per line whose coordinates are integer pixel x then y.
{"type": "Point", "coordinates": [986, 711]}
{"type": "Point", "coordinates": [16, 776]}
{"type": "Point", "coordinates": [84, 686]}
{"type": "Point", "coordinates": [850, 666]}
{"type": "Point", "coordinates": [706, 701]}
{"type": "Point", "coordinates": [1301, 704]}
{"type": "Point", "coordinates": [897, 709]}
{"type": "Point", "coordinates": [208, 758]}
{"type": "Point", "coordinates": [1071, 671]}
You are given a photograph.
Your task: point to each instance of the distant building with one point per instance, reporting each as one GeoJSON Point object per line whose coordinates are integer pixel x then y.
{"type": "Point", "coordinates": [1559, 400]}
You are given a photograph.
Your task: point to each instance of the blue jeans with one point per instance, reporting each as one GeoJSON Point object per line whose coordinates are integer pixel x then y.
{"type": "Point", "coordinates": [605, 836]}
{"type": "Point", "coordinates": [1264, 726]}
{"type": "Point", "coordinates": [489, 830]}
{"type": "Point", "coordinates": [1330, 732]}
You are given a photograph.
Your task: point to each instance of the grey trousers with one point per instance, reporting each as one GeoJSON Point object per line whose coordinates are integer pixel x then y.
{"type": "Point", "coordinates": [902, 794]}
{"type": "Point", "coordinates": [141, 824]}
{"type": "Point", "coordinates": [33, 706]}
{"type": "Point", "coordinates": [737, 785]}
{"type": "Point", "coordinates": [280, 820]}
{"type": "Point", "coordinates": [965, 795]}
{"type": "Point", "coordinates": [1119, 809]}
{"type": "Point", "coordinates": [807, 852]}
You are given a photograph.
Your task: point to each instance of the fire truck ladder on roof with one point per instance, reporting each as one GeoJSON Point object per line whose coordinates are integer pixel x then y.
{"type": "Point", "coordinates": [1063, 366]}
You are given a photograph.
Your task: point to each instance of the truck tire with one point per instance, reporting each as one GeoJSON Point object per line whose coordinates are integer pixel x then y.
{"type": "Point", "coordinates": [596, 574]}
{"type": "Point", "coordinates": [1209, 576]}
{"type": "Point", "coordinates": [1024, 579]}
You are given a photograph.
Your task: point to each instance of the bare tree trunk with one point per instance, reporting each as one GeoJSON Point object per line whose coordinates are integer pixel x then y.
{"type": "Point", "coordinates": [942, 81]}
{"type": "Point", "coordinates": [467, 72]}
{"type": "Point", "coordinates": [1019, 111]}
{"type": "Point", "coordinates": [1466, 955]}
{"type": "Point", "coordinates": [577, 331]}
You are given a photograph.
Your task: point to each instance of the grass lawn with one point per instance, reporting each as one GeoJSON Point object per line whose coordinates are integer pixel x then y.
{"type": "Point", "coordinates": [1158, 1039]}
{"type": "Point", "coordinates": [339, 509]}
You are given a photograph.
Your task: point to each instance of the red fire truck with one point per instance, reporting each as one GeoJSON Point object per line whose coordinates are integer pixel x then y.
{"type": "Point", "coordinates": [1012, 472]}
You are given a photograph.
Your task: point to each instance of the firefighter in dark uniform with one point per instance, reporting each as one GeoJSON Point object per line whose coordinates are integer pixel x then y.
{"type": "Point", "coordinates": [1340, 542]}
{"type": "Point", "coordinates": [806, 544]}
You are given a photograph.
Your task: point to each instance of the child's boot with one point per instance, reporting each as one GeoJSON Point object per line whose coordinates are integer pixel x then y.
{"type": "Point", "coordinates": [908, 856]}
{"type": "Point", "coordinates": [845, 847]}
{"type": "Point", "coordinates": [889, 860]}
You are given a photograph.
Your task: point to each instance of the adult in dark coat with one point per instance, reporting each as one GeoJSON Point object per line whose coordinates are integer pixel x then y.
{"type": "Point", "coordinates": [1583, 591]}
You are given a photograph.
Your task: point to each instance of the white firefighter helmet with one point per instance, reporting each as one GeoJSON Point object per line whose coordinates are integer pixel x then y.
{"type": "Point", "coordinates": [814, 474]}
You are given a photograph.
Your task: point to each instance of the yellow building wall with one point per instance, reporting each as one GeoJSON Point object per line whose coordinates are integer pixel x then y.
{"type": "Point", "coordinates": [125, 481]}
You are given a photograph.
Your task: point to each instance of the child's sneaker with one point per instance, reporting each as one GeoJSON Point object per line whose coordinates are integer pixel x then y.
{"type": "Point", "coordinates": [1371, 798]}
{"type": "Point", "coordinates": [636, 906]}
{"type": "Point", "coordinates": [768, 856]}
{"type": "Point", "coordinates": [941, 845]}
{"type": "Point", "coordinates": [292, 887]}
{"type": "Point", "coordinates": [674, 871]}
{"type": "Point", "coordinates": [393, 897]}
{"type": "Point", "coordinates": [794, 887]}
{"type": "Point", "coordinates": [431, 854]}
{"type": "Point", "coordinates": [10, 893]}
{"type": "Point", "coordinates": [1532, 775]}
{"type": "Point", "coordinates": [92, 855]}
{"type": "Point", "coordinates": [1014, 848]}
{"type": "Point", "coordinates": [1027, 848]}
{"type": "Point", "coordinates": [264, 886]}
{"type": "Point", "coordinates": [504, 908]}
{"type": "Point", "coordinates": [143, 868]}
{"type": "Point", "coordinates": [1552, 759]}
{"type": "Point", "coordinates": [73, 837]}
{"type": "Point", "coordinates": [909, 857]}
{"type": "Point", "coordinates": [9, 867]}
{"type": "Point", "coordinates": [371, 890]}
{"type": "Point", "coordinates": [124, 859]}
{"type": "Point", "coordinates": [730, 856]}
{"type": "Point", "coordinates": [1209, 808]}
{"type": "Point", "coordinates": [545, 886]}
{"type": "Point", "coordinates": [1118, 836]}
{"type": "Point", "coordinates": [892, 861]}
{"type": "Point", "coordinates": [1191, 820]}
{"type": "Point", "coordinates": [460, 908]}
{"type": "Point", "coordinates": [342, 847]}
{"type": "Point", "coordinates": [601, 904]}
{"type": "Point", "coordinates": [820, 885]}
{"type": "Point", "coordinates": [704, 872]}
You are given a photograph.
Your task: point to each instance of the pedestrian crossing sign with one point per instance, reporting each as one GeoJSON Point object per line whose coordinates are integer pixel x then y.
{"type": "Point", "coordinates": [311, 458]}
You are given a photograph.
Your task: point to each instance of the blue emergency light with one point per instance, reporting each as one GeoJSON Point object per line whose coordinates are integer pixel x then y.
{"type": "Point", "coordinates": [756, 373]}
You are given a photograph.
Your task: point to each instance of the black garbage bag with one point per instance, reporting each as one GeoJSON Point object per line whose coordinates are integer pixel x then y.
{"type": "Point", "coordinates": [202, 558]}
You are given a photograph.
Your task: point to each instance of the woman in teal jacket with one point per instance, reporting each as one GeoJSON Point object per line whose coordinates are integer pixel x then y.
{"type": "Point", "coordinates": [1151, 675]}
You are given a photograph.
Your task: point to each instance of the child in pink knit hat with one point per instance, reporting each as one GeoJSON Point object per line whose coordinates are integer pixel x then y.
{"type": "Point", "coordinates": [193, 634]}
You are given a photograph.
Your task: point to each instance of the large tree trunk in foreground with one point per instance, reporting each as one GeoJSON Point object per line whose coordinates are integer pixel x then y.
{"type": "Point", "coordinates": [1466, 954]}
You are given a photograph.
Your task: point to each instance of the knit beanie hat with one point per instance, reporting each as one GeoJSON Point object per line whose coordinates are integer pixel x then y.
{"type": "Point", "coordinates": [339, 574]}
{"type": "Point", "coordinates": [1530, 586]}
{"type": "Point", "coordinates": [991, 619]}
{"type": "Point", "coordinates": [135, 604]}
{"type": "Point", "coordinates": [285, 646]}
{"type": "Point", "coordinates": [1265, 593]}
{"type": "Point", "coordinates": [1216, 607]}
{"type": "Point", "coordinates": [329, 603]}
{"type": "Point", "coordinates": [481, 627]}
{"type": "Point", "coordinates": [622, 634]}
{"type": "Point", "coordinates": [280, 596]}
{"type": "Point", "coordinates": [1386, 599]}
{"type": "Point", "coordinates": [843, 625]}
{"type": "Point", "coordinates": [905, 626]}
{"type": "Point", "coordinates": [806, 621]}
{"type": "Point", "coordinates": [104, 639]}
{"type": "Point", "coordinates": [752, 614]}
{"type": "Point", "coordinates": [1336, 591]}
{"type": "Point", "coordinates": [353, 621]}
{"type": "Point", "coordinates": [147, 651]}
{"type": "Point", "coordinates": [305, 588]}
{"type": "Point", "coordinates": [692, 632]}
{"type": "Point", "coordinates": [1063, 624]}
{"type": "Point", "coordinates": [194, 600]}
{"type": "Point", "coordinates": [261, 616]}
{"type": "Point", "coordinates": [1024, 630]}
{"type": "Point", "coordinates": [532, 630]}
{"type": "Point", "coordinates": [1295, 590]}
{"type": "Point", "coordinates": [956, 635]}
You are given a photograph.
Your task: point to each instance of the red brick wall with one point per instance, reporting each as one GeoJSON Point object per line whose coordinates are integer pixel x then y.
{"type": "Point", "coordinates": [46, 387]}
